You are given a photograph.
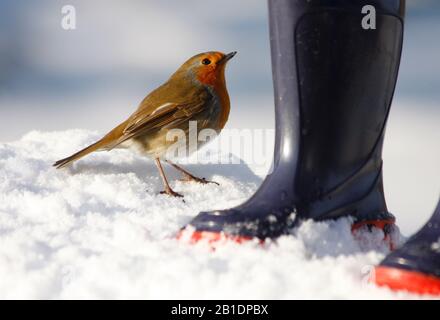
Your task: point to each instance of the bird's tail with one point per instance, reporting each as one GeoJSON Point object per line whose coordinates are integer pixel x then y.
{"type": "Point", "coordinates": [64, 162]}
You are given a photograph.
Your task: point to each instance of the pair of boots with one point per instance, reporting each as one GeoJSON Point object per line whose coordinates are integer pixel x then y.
{"type": "Point", "coordinates": [335, 66]}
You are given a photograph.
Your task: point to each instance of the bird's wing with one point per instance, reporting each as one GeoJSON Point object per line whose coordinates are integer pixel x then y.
{"type": "Point", "coordinates": [165, 116]}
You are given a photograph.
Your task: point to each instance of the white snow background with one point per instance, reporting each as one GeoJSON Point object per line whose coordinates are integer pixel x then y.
{"type": "Point", "coordinates": [100, 230]}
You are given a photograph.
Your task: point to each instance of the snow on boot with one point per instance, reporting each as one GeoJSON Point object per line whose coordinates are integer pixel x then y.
{"type": "Point", "coordinates": [415, 266]}
{"type": "Point", "coordinates": [334, 77]}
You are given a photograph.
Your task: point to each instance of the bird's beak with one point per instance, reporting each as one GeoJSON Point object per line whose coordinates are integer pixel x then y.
{"type": "Point", "coordinates": [227, 57]}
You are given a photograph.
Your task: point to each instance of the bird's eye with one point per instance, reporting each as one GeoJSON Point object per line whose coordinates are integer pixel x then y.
{"type": "Point", "coordinates": [206, 61]}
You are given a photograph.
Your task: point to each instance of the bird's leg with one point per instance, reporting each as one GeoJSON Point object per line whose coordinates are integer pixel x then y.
{"type": "Point", "coordinates": [188, 176]}
{"type": "Point", "coordinates": [168, 189]}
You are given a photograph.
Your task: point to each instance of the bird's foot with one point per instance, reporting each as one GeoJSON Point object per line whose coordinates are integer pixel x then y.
{"type": "Point", "coordinates": [171, 193]}
{"type": "Point", "coordinates": [191, 178]}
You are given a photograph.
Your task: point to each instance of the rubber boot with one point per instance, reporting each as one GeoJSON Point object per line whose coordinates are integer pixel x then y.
{"type": "Point", "coordinates": [334, 82]}
{"type": "Point", "coordinates": [415, 267]}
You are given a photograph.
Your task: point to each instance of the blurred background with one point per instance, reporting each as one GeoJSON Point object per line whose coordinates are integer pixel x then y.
{"type": "Point", "coordinates": [95, 76]}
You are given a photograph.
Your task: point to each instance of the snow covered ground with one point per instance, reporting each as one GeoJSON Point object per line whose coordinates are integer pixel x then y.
{"type": "Point", "coordinates": [101, 230]}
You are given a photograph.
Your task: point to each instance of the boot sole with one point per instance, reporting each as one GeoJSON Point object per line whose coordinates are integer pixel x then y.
{"type": "Point", "coordinates": [412, 281]}
{"type": "Point", "coordinates": [211, 237]}
{"type": "Point", "coordinates": [385, 225]}
{"type": "Point", "coordinates": [214, 238]}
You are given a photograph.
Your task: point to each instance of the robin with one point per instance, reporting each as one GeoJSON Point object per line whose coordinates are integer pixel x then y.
{"type": "Point", "coordinates": [195, 92]}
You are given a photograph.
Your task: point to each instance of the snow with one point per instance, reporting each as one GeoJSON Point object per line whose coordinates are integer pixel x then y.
{"type": "Point", "coordinates": [101, 230]}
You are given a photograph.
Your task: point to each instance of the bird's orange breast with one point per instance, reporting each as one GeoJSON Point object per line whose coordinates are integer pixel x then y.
{"type": "Point", "coordinates": [215, 78]}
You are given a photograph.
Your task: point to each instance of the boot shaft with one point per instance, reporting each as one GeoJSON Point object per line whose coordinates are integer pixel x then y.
{"type": "Point", "coordinates": [334, 82]}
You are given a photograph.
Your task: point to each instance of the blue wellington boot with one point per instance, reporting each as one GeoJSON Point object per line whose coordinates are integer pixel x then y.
{"type": "Point", "coordinates": [334, 83]}
{"type": "Point", "coordinates": [415, 267]}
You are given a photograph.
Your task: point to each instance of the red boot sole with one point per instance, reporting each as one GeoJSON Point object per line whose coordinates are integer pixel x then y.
{"type": "Point", "coordinates": [412, 281]}
{"type": "Point", "coordinates": [211, 237]}
{"type": "Point", "coordinates": [384, 225]}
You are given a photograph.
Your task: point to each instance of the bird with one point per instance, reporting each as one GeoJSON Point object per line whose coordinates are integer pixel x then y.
{"type": "Point", "coordinates": [195, 92]}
